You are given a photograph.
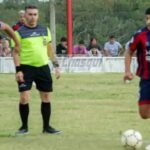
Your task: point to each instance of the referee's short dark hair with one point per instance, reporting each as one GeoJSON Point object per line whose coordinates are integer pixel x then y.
{"type": "Point", "coordinates": [31, 7]}
{"type": "Point", "coordinates": [147, 12]}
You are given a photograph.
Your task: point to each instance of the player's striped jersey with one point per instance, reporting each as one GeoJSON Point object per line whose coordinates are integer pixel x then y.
{"type": "Point", "coordinates": [141, 44]}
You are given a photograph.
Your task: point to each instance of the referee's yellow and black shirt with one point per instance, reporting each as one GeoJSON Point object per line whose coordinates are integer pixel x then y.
{"type": "Point", "coordinates": [33, 51]}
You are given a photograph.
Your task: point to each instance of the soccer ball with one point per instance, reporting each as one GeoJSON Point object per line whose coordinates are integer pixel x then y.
{"type": "Point", "coordinates": [131, 139]}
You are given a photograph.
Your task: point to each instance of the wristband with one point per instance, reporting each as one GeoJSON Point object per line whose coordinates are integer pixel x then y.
{"type": "Point", "coordinates": [18, 68]}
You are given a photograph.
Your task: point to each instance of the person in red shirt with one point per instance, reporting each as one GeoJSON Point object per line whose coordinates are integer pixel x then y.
{"type": "Point", "coordinates": [140, 43]}
{"type": "Point", "coordinates": [21, 20]}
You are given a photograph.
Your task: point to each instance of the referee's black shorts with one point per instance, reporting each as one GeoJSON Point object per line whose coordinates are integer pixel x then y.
{"type": "Point", "coordinates": [40, 75]}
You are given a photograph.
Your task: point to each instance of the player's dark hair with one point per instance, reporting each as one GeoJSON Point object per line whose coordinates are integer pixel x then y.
{"type": "Point", "coordinates": [31, 7]}
{"type": "Point", "coordinates": [147, 12]}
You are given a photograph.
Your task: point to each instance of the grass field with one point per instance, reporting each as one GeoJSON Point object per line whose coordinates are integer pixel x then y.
{"type": "Point", "coordinates": [91, 110]}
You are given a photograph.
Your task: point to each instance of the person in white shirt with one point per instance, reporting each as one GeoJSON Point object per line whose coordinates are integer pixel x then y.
{"type": "Point", "coordinates": [112, 48]}
{"type": "Point", "coordinates": [94, 52]}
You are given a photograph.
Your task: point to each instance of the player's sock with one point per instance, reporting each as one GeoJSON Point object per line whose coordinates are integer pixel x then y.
{"type": "Point", "coordinates": [46, 113]}
{"type": "Point", "coordinates": [24, 112]}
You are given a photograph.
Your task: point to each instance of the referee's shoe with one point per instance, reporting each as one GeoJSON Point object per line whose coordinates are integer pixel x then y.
{"type": "Point", "coordinates": [51, 130]}
{"type": "Point", "coordinates": [22, 131]}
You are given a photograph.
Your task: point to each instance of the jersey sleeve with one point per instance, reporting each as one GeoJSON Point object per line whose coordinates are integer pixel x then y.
{"type": "Point", "coordinates": [134, 42]}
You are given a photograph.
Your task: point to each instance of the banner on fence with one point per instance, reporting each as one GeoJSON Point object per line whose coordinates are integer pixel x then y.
{"type": "Point", "coordinates": [78, 64]}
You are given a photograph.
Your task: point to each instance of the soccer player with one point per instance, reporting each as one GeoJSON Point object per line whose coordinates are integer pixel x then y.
{"type": "Point", "coordinates": [32, 65]}
{"type": "Point", "coordinates": [141, 44]}
{"type": "Point", "coordinates": [6, 28]}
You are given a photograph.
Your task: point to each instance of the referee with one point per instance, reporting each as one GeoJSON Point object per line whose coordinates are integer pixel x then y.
{"type": "Point", "coordinates": [32, 65]}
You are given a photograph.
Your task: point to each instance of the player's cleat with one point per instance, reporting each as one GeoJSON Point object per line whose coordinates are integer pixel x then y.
{"type": "Point", "coordinates": [22, 131]}
{"type": "Point", "coordinates": [51, 130]}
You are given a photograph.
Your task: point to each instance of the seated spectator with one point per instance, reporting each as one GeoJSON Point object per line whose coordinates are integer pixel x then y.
{"type": "Point", "coordinates": [94, 52]}
{"type": "Point", "coordinates": [80, 49]}
{"type": "Point", "coordinates": [61, 49]}
{"type": "Point", "coordinates": [112, 48]}
{"type": "Point", "coordinates": [1, 46]}
{"type": "Point", "coordinates": [93, 43]}
{"type": "Point", "coordinates": [6, 48]}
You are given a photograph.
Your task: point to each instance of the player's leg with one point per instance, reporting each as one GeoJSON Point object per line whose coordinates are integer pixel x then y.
{"type": "Point", "coordinates": [144, 100]}
{"type": "Point", "coordinates": [44, 85]}
{"type": "Point", "coordinates": [144, 111]}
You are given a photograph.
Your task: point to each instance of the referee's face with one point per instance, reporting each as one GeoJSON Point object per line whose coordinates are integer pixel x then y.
{"type": "Point", "coordinates": [31, 16]}
{"type": "Point", "coordinates": [148, 21]}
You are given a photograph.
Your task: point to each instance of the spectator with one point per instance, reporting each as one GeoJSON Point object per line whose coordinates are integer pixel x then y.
{"type": "Point", "coordinates": [112, 47]}
{"type": "Point", "coordinates": [7, 29]}
{"type": "Point", "coordinates": [6, 48]}
{"type": "Point", "coordinates": [94, 52]}
{"type": "Point", "coordinates": [61, 49]}
{"type": "Point", "coordinates": [21, 20]}
{"type": "Point", "coordinates": [93, 43]}
{"type": "Point", "coordinates": [1, 46]}
{"type": "Point", "coordinates": [80, 49]}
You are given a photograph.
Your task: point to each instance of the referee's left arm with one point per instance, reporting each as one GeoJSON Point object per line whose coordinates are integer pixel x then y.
{"type": "Point", "coordinates": [53, 58]}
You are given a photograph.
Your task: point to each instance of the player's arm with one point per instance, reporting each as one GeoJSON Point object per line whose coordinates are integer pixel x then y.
{"type": "Point", "coordinates": [16, 49]}
{"type": "Point", "coordinates": [131, 48]}
{"type": "Point", "coordinates": [16, 53]}
{"type": "Point", "coordinates": [128, 58]}
{"type": "Point", "coordinates": [5, 27]}
{"type": "Point", "coordinates": [53, 58]}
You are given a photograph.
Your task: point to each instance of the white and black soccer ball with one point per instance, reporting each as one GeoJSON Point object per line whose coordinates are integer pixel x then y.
{"type": "Point", "coordinates": [131, 139]}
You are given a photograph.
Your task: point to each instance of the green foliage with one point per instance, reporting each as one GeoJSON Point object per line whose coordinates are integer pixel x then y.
{"type": "Point", "coordinates": [90, 18]}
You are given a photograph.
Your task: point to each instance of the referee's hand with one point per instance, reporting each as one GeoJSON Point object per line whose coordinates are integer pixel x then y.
{"type": "Point", "coordinates": [57, 72]}
{"type": "Point", "coordinates": [19, 76]}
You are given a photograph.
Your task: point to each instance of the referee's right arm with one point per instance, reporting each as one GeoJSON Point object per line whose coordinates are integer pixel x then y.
{"type": "Point", "coordinates": [53, 58]}
{"type": "Point", "coordinates": [16, 53]}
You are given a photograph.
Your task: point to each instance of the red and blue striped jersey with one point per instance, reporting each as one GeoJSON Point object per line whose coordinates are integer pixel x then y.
{"type": "Point", "coordinates": [141, 44]}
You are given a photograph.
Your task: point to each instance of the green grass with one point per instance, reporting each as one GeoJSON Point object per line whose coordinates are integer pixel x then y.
{"type": "Point", "coordinates": [91, 110]}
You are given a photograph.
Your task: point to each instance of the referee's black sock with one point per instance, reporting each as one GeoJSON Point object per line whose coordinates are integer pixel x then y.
{"type": "Point", "coordinates": [24, 113]}
{"type": "Point", "coordinates": [46, 113]}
